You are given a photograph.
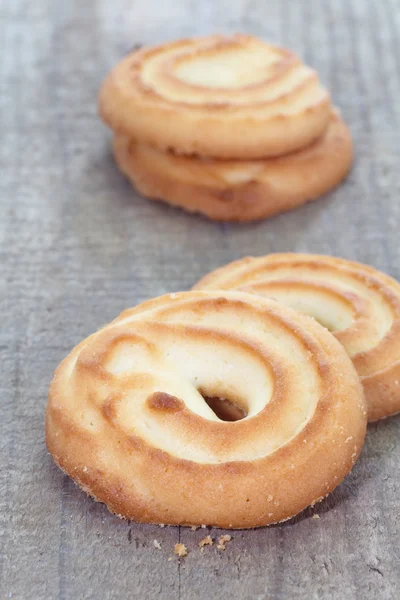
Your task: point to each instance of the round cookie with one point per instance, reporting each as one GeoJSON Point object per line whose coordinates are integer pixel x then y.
{"type": "Point", "coordinates": [228, 190]}
{"type": "Point", "coordinates": [128, 417]}
{"type": "Point", "coordinates": [218, 96]}
{"type": "Point", "coordinates": [359, 304]}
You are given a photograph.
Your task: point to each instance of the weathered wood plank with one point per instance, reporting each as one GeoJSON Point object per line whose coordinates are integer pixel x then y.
{"type": "Point", "coordinates": [78, 246]}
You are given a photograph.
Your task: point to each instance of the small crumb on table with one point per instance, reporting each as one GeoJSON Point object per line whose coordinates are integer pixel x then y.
{"type": "Point", "coordinates": [207, 541]}
{"type": "Point", "coordinates": [222, 541]}
{"type": "Point", "coordinates": [316, 516]}
{"type": "Point", "coordinates": [180, 550]}
{"type": "Point", "coordinates": [157, 545]}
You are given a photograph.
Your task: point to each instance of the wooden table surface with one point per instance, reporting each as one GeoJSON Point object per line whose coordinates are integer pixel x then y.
{"type": "Point", "coordinates": [78, 246]}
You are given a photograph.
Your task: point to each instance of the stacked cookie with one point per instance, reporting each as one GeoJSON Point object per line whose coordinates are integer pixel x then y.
{"type": "Point", "coordinates": [230, 127]}
{"type": "Point", "coordinates": [237, 404]}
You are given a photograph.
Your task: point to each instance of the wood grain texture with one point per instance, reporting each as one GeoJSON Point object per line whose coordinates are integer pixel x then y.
{"type": "Point", "coordinates": [78, 246]}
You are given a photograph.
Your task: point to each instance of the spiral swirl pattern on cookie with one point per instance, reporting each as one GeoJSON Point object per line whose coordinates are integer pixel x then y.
{"type": "Point", "coordinates": [128, 421]}
{"type": "Point", "coordinates": [218, 96]}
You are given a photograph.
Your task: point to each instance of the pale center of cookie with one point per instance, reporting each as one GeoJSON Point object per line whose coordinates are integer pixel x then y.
{"type": "Point", "coordinates": [229, 68]}
{"type": "Point", "coordinates": [234, 75]}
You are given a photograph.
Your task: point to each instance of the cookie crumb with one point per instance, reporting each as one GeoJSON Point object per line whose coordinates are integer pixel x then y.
{"type": "Point", "coordinates": [316, 516]}
{"type": "Point", "coordinates": [194, 527]}
{"type": "Point", "coordinates": [180, 550]}
{"type": "Point", "coordinates": [170, 558]}
{"type": "Point", "coordinates": [157, 545]}
{"type": "Point", "coordinates": [222, 541]}
{"type": "Point", "coordinates": [161, 525]}
{"type": "Point", "coordinates": [207, 541]}
{"type": "Point", "coordinates": [203, 526]}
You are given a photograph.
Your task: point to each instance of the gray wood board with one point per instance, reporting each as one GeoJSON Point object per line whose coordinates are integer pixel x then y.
{"type": "Point", "coordinates": [78, 246]}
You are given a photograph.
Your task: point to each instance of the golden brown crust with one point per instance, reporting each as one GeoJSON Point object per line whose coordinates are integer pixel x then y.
{"type": "Point", "coordinates": [225, 97]}
{"type": "Point", "coordinates": [358, 303]}
{"type": "Point", "coordinates": [239, 190]}
{"type": "Point", "coordinates": [126, 421]}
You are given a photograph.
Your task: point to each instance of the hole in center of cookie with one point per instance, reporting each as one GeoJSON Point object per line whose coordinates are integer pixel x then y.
{"type": "Point", "coordinates": [225, 409]}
